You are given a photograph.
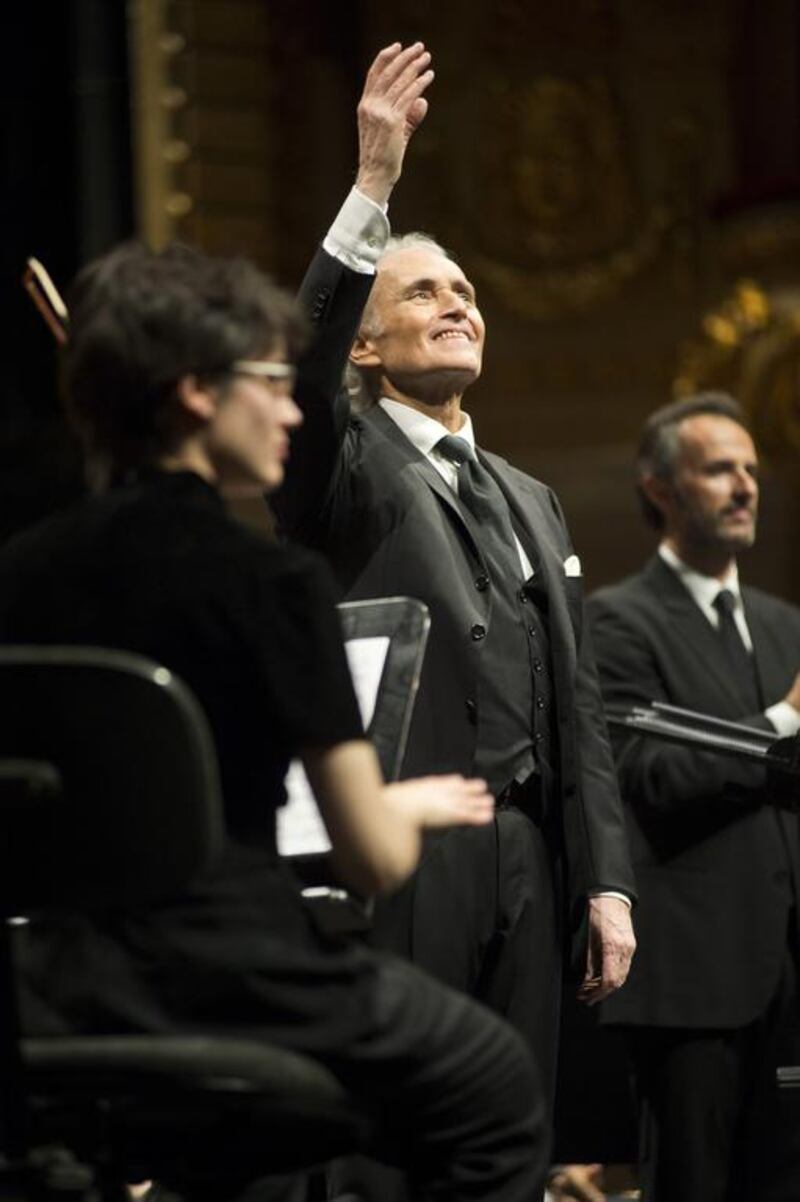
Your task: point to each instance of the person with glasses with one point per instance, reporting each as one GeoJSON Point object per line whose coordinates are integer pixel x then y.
{"type": "Point", "coordinates": [179, 375]}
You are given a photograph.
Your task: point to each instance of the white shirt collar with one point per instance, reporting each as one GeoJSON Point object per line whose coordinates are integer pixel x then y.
{"type": "Point", "coordinates": [702, 588]}
{"type": "Point", "coordinates": [423, 431]}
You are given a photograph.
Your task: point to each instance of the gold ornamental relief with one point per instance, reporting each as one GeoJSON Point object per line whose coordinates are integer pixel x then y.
{"type": "Point", "coordinates": [569, 184]}
{"type": "Point", "coordinates": [560, 230]}
{"type": "Point", "coordinates": [750, 346]}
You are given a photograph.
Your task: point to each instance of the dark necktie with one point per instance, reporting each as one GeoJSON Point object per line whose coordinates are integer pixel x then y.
{"type": "Point", "coordinates": [480, 494]}
{"type": "Point", "coordinates": [738, 657]}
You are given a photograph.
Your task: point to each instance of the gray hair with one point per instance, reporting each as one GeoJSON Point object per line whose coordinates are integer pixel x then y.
{"type": "Point", "coordinates": [659, 443]}
{"type": "Point", "coordinates": [363, 383]}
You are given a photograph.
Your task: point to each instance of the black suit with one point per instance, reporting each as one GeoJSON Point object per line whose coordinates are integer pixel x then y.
{"type": "Point", "coordinates": [388, 523]}
{"type": "Point", "coordinates": [716, 864]}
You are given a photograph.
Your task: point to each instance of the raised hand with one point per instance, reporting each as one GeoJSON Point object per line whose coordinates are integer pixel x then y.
{"type": "Point", "coordinates": [391, 108]}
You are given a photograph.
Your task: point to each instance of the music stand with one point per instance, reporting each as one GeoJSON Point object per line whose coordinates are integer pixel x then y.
{"type": "Point", "coordinates": [405, 622]}
{"type": "Point", "coordinates": [385, 641]}
{"type": "Point", "coordinates": [691, 728]}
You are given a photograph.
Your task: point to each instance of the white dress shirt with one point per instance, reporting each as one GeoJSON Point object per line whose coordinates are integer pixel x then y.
{"type": "Point", "coordinates": [704, 589]}
{"type": "Point", "coordinates": [359, 233]}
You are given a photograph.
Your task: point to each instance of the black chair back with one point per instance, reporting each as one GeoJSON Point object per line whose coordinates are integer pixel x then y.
{"type": "Point", "coordinates": [109, 796]}
{"type": "Point", "coordinates": [99, 750]}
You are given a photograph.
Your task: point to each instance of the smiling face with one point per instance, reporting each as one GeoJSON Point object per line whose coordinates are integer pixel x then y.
{"type": "Point", "coordinates": [710, 505]}
{"type": "Point", "coordinates": [423, 332]}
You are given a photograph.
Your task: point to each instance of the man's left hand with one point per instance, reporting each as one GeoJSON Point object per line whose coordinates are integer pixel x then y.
{"type": "Point", "coordinates": [611, 948]}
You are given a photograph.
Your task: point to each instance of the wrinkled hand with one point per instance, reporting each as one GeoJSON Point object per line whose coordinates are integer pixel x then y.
{"type": "Point", "coordinates": [391, 108]}
{"type": "Point", "coordinates": [611, 948]}
{"type": "Point", "coordinates": [581, 1181]}
{"type": "Point", "coordinates": [793, 696]}
{"type": "Point", "coordinates": [441, 801]}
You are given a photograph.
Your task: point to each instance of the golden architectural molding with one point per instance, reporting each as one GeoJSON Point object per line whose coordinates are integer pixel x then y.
{"type": "Point", "coordinates": [546, 294]}
{"type": "Point", "coordinates": [158, 99]}
{"type": "Point", "coordinates": [563, 227]}
{"type": "Point", "coordinates": [750, 346]}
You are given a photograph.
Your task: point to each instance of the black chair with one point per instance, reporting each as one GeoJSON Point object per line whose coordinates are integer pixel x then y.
{"type": "Point", "coordinates": [109, 796]}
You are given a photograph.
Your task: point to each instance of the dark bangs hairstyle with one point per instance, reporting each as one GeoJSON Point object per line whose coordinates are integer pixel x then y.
{"type": "Point", "coordinates": [141, 320]}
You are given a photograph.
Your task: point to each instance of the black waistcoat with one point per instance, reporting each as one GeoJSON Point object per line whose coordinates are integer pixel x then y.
{"type": "Point", "coordinates": [514, 694]}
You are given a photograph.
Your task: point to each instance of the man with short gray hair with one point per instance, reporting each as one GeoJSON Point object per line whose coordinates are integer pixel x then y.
{"type": "Point", "coordinates": [402, 501]}
{"type": "Point", "coordinates": [711, 1006]}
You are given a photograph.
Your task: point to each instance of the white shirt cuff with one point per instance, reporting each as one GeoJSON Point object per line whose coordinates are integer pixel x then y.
{"type": "Point", "coordinates": [784, 717]}
{"type": "Point", "coordinates": [623, 897]}
{"type": "Point", "coordinates": [359, 233]}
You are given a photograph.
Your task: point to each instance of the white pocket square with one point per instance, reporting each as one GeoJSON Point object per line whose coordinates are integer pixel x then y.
{"type": "Point", "coordinates": [572, 566]}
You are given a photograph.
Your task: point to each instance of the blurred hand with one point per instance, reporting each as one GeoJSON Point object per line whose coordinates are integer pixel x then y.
{"type": "Point", "coordinates": [611, 948]}
{"type": "Point", "coordinates": [391, 108]}
{"type": "Point", "coordinates": [442, 801]}
{"type": "Point", "coordinates": [793, 696]}
{"type": "Point", "coordinates": [581, 1181]}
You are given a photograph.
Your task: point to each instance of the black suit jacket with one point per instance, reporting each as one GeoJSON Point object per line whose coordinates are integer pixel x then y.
{"type": "Point", "coordinates": [715, 862]}
{"type": "Point", "coordinates": [360, 491]}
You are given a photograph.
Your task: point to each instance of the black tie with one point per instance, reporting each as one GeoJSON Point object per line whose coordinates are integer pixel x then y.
{"type": "Point", "coordinates": [481, 496]}
{"type": "Point", "coordinates": [739, 658]}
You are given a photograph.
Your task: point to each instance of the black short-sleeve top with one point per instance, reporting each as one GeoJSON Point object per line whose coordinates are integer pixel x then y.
{"type": "Point", "coordinates": [159, 567]}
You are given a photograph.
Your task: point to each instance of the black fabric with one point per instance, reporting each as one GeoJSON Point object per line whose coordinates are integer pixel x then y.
{"type": "Point", "coordinates": [717, 867]}
{"type": "Point", "coordinates": [514, 693]}
{"type": "Point", "coordinates": [716, 862]}
{"type": "Point", "coordinates": [389, 524]}
{"type": "Point", "coordinates": [714, 1126]}
{"type": "Point", "coordinates": [739, 658]}
{"type": "Point", "coordinates": [158, 567]}
{"type": "Point", "coordinates": [482, 497]}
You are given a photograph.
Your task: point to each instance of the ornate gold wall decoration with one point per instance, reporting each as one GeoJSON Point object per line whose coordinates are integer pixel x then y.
{"type": "Point", "coordinates": [750, 346]}
{"type": "Point", "coordinates": [566, 140]}
{"type": "Point", "coordinates": [203, 75]}
{"type": "Point", "coordinates": [769, 237]}
{"type": "Point", "coordinates": [562, 229]}
{"type": "Point", "coordinates": [157, 103]}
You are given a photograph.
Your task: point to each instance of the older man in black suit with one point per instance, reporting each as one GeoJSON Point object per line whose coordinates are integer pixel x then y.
{"type": "Point", "coordinates": [711, 1005]}
{"type": "Point", "coordinates": [401, 500]}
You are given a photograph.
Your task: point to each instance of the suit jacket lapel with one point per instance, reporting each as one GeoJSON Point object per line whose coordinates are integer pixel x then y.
{"type": "Point", "coordinates": [545, 553]}
{"type": "Point", "coordinates": [694, 626]}
{"type": "Point", "coordinates": [769, 661]}
{"type": "Point", "coordinates": [421, 467]}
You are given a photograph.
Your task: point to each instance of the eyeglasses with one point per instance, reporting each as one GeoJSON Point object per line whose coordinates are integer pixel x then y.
{"type": "Point", "coordinates": [263, 369]}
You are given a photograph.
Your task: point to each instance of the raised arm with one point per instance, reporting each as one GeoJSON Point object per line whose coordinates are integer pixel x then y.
{"type": "Point", "coordinates": [338, 282]}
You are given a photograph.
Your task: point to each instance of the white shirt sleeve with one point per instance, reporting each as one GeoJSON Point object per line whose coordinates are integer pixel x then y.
{"type": "Point", "coordinates": [359, 233]}
{"type": "Point", "coordinates": [784, 717]}
{"type": "Point", "coordinates": [623, 897]}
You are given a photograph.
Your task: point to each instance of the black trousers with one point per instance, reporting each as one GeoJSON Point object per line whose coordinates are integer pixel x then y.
{"type": "Point", "coordinates": [452, 1089]}
{"type": "Point", "coordinates": [459, 1101]}
{"type": "Point", "coordinates": [481, 915]}
{"type": "Point", "coordinates": [714, 1126]}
